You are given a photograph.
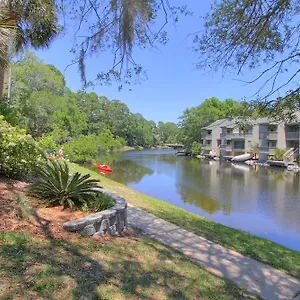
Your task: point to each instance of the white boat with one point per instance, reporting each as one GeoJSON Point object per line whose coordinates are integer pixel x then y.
{"type": "Point", "coordinates": [242, 157]}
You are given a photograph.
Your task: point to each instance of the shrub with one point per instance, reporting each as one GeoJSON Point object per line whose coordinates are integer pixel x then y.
{"type": "Point", "coordinates": [196, 148]}
{"type": "Point", "coordinates": [19, 153]}
{"type": "Point", "coordinates": [82, 150]}
{"type": "Point", "coordinates": [88, 147]}
{"type": "Point", "coordinates": [99, 203]}
{"type": "Point", "coordinates": [58, 187]}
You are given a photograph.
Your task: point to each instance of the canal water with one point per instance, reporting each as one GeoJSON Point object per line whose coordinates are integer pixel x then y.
{"type": "Point", "coordinates": [263, 201]}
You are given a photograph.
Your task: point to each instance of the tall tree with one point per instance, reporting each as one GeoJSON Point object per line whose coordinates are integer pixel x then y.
{"type": "Point", "coordinates": [25, 23]}
{"type": "Point", "coordinates": [193, 119]}
{"type": "Point", "coordinates": [254, 34]}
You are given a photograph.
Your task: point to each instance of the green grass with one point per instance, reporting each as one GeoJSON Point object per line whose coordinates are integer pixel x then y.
{"type": "Point", "coordinates": [124, 268]}
{"type": "Point", "coordinates": [260, 249]}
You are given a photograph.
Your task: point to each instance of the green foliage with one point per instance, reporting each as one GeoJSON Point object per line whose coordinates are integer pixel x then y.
{"type": "Point", "coordinates": [47, 144]}
{"type": "Point", "coordinates": [279, 153]}
{"type": "Point", "coordinates": [99, 202]}
{"type": "Point", "coordinates": [19, 153]}
{"type": "Point", "coordinates": [81, 150]}
{"type": "Point", "coordinates": [167, 132]}
{"type": "Point", "coordinates": [58, 187]}
{"type": "Point", "coordinates": [86, 148]}
{"type": "Point", "coordinates": [193, 119]}
{"type": "Point", "coordinates": [250, 34]}
{"type": "Point", "coordinates": [196, 148]}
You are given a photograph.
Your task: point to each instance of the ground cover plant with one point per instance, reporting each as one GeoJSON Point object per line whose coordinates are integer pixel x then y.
{"type": "Point", "coordinates": [260, 249]}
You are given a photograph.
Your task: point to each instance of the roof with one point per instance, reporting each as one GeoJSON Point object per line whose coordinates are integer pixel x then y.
{"type": "Point", "coordinates": [214, 124]}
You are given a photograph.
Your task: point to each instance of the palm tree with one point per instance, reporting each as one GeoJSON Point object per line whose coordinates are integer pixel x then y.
{"type": "Point", "coordinates": [25, 23]}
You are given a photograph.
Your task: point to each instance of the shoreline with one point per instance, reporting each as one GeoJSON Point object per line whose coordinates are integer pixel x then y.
{"type": "Point", "coordinates": [258, 248]}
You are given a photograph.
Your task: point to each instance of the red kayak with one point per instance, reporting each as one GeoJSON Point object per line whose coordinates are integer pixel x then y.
{"type": "Point", "coordinates": [104, 169]}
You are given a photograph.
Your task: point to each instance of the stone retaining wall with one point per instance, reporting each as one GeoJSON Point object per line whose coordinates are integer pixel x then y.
{"type": "Point", "coordinates": [109, 221]}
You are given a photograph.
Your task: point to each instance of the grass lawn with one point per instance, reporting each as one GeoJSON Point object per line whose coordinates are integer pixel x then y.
{"type": "Point", "coordinates": [40, 260]}
{"type": "Point", "coordinates": [247, 244]}
{"type": "Point", "coordinates": [123, 268]}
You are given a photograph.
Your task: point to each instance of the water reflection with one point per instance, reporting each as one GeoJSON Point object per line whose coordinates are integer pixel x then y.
{"type": "Point", "coordinates": [261, 200]}
{"type": "Point", "coordinates": [124, 170]}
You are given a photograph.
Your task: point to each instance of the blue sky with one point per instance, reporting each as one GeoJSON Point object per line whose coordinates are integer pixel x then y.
{"type": "Point", "coordinates": [173, 83]}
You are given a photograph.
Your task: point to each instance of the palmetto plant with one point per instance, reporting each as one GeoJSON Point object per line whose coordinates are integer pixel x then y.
{"type": "Point", "coordinates": [25, 23]}
{"type": "Point", "coordinates": [58, 187]}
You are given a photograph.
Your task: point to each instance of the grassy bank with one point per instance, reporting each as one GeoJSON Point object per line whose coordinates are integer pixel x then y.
{"type": "Point", "coordinates": [247, 244]}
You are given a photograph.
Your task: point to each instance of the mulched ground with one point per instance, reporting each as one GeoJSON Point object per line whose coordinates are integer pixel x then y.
{"type": "Point", "coordinates": [43, 220]}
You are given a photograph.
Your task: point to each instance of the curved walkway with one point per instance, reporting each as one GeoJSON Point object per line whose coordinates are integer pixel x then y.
{"type": "Point", "coordinates": [256, 277]}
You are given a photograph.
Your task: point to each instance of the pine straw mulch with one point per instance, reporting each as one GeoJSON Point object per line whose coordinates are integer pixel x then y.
{"type": "Point", "coordinates": [43, 222]}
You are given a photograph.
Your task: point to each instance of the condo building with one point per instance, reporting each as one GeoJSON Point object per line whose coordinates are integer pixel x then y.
{"type": "Point", "coordinates": [232, 137]}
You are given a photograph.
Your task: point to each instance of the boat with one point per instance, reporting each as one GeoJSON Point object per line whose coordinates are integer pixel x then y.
{"type": "Point", "coordinates": [242, 157]}
{"type": "Point", "coordinates": [104, 169]}
{"type": "Point", "coordinates": [181, 153]}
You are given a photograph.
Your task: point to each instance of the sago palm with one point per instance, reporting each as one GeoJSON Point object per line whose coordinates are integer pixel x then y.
{"type": "Point", "coordinates": [58, 187]}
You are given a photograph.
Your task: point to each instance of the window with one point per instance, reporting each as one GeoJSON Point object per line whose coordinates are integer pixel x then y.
{"type": "Point", "coordinates": [209, 132]}
{"type": "Point", "coordinates": [239, 145]}
{"type": "Point", "coordinates": [249, 144]}
{"type": "Point", "coordinates": [272, 144]}
{"type": "Point", "coordinates": [228, 142]}
{"type": "Point", "coordinates": [208, 142]}
{"type": "Point", "coordinates": [272, 128]}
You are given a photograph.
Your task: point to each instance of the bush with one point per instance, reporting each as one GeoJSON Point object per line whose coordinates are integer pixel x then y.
{"type": "Point", "coordinates": [19, 153]}
{"type": "Point", "coordinates": [82, 150]}
{"type": "Point", "coordinates": [58, 187]}
{"type": "Point", "coordinates": [196, 148]}
{"type": "Point", "coordinates": [99, 203]}
{"type": "Point", "coordinates": [88, 147]}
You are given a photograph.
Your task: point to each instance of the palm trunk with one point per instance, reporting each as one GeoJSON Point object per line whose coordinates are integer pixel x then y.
{"type": "Point", "coordinates": [2, 71]}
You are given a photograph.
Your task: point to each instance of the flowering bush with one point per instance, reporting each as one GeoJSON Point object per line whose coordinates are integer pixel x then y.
{"type": "Point", "coordinates": [19, 153]}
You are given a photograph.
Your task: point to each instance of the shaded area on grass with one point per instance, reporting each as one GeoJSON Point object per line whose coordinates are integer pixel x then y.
{"type": "Point", "coordinates": [260, 249]}
{"type": "Point", "coordinates": [131, 269]}
{"type": "Point", "coordinates": [43, 263]}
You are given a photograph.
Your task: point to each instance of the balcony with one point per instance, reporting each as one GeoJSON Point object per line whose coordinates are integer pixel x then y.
{"type": "Point", "coordinates": [292, 135]}
{"type": "Point", "coordinates": [207, 147]}
{"type": "Point", "coordinates": [226, 148]}
{"type": "Point", "coordinates": [267, 150]}
{"type": "Point", "coordinates": [237, 135]}
{"type": "Point", "coordinates": [207, 136]}
{"type": "Point", "coordinates": [271, 135]}
{"type": "Point", "coordinates": [238, 148]}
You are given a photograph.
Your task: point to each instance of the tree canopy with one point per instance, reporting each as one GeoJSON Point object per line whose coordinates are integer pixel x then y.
{"type": "Point", "coordinates": [254, 34]}
{"type": "Point", "coordinates": [84, 122]}
{"type": "Point", "coordinates": [194, 119]}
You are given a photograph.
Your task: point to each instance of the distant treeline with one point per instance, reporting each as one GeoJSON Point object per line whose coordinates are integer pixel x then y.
{"type": "Point", "coordinates": [84, 124]}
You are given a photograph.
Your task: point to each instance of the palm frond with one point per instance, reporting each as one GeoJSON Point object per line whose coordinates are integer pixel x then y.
{"type": "Point", "coordinates": [62, 188]}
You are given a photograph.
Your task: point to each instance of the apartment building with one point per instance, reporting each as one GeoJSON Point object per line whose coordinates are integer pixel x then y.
{"type": "Point", "coordinates": [231, 137]}
{"type": "Point", "coordinates": [211, 139]}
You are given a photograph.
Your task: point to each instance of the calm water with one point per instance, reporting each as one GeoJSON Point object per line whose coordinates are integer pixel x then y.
{"type": "Point", "coordinates": [261, 200]}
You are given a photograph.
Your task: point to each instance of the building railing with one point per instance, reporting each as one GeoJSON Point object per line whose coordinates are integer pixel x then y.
{"type": "Point", "coordinates": [292, 135]}
{"type": "Point", "coordinates": [237, 135]}
{"type": "Point", "coordinates": [266, 149]}
{"type": "Point", "coordinates": [270, 135]}
{"type": "Point", "coordinates": [207, 147]}
{"type": "Point", "coordinates": [207, 136]}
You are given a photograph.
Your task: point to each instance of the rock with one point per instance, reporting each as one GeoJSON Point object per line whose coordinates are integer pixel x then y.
{"type": "Point", "coordinates": [88, 230]}
{"type": "Point", "coordinates": [112, 230]}
{"type": "Point", "coordinates": [104, 226]}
